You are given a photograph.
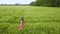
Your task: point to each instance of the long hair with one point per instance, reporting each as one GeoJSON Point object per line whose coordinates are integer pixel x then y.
{"type": "Point", "coordinates": [22, 19]}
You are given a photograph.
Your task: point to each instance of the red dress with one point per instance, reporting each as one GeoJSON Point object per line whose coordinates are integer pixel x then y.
{"type": "Point", "coordinates": [21, 25]}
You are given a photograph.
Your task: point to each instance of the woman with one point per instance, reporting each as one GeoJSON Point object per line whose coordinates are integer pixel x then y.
{"type": "Point", "coordinates": [22, 24]}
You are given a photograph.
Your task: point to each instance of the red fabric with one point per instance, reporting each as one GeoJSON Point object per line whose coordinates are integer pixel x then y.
{"type": "Point", "coordinates": [21, 25]}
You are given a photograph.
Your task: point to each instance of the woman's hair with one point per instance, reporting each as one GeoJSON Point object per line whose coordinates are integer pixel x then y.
{"type": "Point", "coordinates": [22, 18]}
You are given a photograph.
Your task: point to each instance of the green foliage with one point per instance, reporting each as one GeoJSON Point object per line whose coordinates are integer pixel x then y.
{"type": "Point", "coordinates": [51, 3]}
{"type": "Point", "coordinates": [38, 20]}
{"type": "Point", "coordinates": [33, 4]}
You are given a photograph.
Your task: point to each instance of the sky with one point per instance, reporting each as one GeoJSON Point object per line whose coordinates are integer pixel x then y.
{"type": "Point", "coordinates": [15, 1]}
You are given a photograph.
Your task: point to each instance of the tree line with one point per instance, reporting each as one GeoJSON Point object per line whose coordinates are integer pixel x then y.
{"type": "Point", "coordinates": [50, 3]}
{"type": "Point", "coordinates": [17, 4]}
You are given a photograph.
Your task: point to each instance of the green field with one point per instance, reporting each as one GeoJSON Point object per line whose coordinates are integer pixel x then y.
{"type": "Point", "coordinates": [38, 20]}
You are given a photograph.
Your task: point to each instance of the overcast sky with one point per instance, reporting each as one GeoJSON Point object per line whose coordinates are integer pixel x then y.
{"type": "Point", "coordinates": [15, 1]}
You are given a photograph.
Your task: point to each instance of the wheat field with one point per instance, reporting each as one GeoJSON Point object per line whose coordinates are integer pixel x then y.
{"type": "Point", "coordinates": [38, 20]}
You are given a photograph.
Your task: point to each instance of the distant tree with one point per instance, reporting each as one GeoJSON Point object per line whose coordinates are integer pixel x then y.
{"type": "Point", "coordinates": [33, 4]}
{"type": "Point", "coordinates": [17, 4]}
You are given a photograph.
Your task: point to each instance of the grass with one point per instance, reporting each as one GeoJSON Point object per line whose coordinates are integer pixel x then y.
{"type": "Point", "coordinates": [38, 20]}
